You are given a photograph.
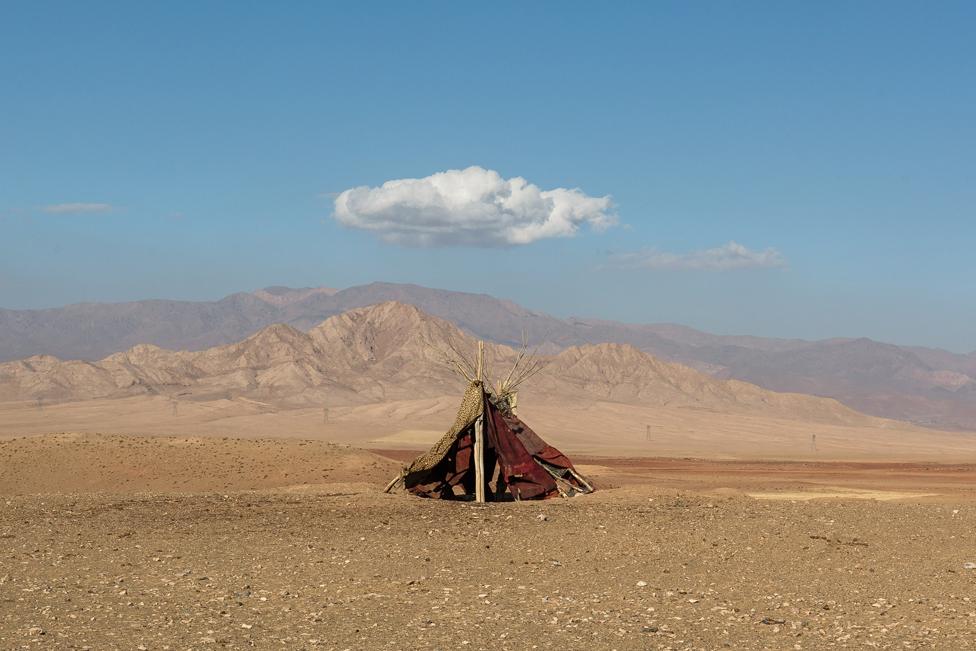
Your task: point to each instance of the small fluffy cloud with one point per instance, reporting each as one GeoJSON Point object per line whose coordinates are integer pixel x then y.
{"type": "Point", "coordinates": [473, 206]}
{"type": "Point", "coordinates": [76, 208]}
{"type": "Point", "coordinates": [721, 258]}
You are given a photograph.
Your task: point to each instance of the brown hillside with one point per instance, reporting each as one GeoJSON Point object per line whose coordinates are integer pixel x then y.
{"type": "Point", "coordinates": [390, 351]}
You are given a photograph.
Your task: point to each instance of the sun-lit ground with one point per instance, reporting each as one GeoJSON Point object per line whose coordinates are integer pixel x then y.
{"type": "Point", "coordinates": [128, 542]}
{"type": "Point", "coordinates": [581, 427]}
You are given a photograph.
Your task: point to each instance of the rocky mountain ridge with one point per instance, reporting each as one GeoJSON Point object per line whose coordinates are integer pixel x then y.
{"type": "Point", "coordinates": [389, 351]}
{"type": "Point", "coordinates": [922, 385]}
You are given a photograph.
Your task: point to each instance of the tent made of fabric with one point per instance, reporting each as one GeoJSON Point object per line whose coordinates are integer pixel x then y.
{"type": "Point", "coordinates": [518, 464]}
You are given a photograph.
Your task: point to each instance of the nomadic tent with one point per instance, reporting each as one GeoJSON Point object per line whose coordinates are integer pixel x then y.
{"type": "Point", "coordinates": [488, 444]}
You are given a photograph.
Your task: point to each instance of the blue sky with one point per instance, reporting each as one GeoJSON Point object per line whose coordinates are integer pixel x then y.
{"type": "Point", "coordinates": [190, 150]}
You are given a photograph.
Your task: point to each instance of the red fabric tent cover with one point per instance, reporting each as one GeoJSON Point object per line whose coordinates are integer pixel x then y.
{"type": "Point", "coordinates": [535, 446]}
{"type": "Point", "coordinates": [525, 478]}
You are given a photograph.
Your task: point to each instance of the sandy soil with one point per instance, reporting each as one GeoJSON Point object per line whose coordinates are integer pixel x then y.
{"type": "Point", "coordinates": [578, 427]}
{"type": "Point", "coordinates": [214, 547]}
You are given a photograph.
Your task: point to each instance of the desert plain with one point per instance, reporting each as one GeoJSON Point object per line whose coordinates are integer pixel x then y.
{"type": "Point", "coordinates": [233, 499]}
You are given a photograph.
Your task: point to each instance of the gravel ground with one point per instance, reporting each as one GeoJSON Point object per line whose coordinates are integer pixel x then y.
{"type": "Point", "coordinates": [339, 566]}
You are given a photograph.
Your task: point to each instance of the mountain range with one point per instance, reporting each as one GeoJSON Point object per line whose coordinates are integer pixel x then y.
{"type": "Point", "coordinates": [926, 386]}
{"type": "Point", "coordinates": [387, 352]}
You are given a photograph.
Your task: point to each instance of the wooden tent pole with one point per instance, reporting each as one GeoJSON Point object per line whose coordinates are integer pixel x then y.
{"type": "Point", "coordinates": [393, 482]}
{"type": "Point", "coordinates": [481, 361]}
{"type": "Point", "coordinates": [479, 434]}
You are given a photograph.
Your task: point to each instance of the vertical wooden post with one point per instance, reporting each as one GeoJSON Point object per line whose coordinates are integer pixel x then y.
{"type": "Point", "coordinates": [481, 361]}
{"type": "Point", "coordinates": [479, 435]}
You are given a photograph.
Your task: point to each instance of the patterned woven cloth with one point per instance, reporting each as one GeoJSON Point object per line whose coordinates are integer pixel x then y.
{"type": "Point", "coordinates": [469, 411]}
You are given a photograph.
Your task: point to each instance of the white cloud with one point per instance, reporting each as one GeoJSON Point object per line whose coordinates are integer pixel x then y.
{"type": "Point", "coordinates": [721, 258]}
{"type": "Point", "coordinates": [76, 208]}
{"type": "Point", "coordinates": [473, 206]}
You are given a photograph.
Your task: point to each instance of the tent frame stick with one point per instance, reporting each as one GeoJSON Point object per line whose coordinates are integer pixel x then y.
{"type": "Point", "coordinates": [479, 460]}
{"type": "Point", "coordinates": [393, 482]}
{"type": "Point", "coordinates": [585, 483]}
{"type": "Point", "coordinates": [479, 435]}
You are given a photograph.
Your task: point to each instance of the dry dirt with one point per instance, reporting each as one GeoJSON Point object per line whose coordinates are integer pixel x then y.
{"type": "Point", "coordinates": [115, 542]}
{"type": "Point", "coordinates": [575, 426]}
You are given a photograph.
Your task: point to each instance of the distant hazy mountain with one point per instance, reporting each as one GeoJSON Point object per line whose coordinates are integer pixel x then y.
{"type": "Point", "coordinates": [391, 351]}
{"type": "Point", "coordinates": [927, 386]}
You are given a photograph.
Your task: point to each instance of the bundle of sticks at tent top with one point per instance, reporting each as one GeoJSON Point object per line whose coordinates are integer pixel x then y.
{"type": "Point", "coordinates": [489, 444]}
